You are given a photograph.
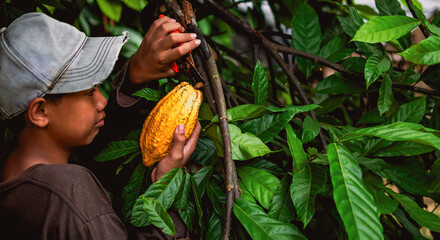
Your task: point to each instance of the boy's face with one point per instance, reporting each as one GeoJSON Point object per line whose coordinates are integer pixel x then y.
{"type": "Point", "coordinates": [75, 119]}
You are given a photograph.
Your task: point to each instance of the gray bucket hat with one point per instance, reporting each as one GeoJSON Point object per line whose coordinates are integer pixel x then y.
{"type": "Point", "coordinates": [41, 55]}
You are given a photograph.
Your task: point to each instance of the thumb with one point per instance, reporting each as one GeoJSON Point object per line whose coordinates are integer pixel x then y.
{"type": "Point", "coordinates": [179, 142]}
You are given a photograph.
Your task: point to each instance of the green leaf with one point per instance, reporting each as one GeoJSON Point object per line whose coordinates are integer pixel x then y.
{"type": "Point", "coordinates": [205, 152]}
{"type": "Point", "coordinates": [260, 84]}
{"type": "Point", "coordinates": [304, 188]}
{"type": "Point", "coordinates": [183, 203]}
{"type": "Point", "coordinates": [407, 174]}
{"type": "Point", "coordinates": [330, 104]}
{"type": "Point", "coordinates": [217, 197]}
{"type": "Point", "coordinates": [411, 112]}
{"type": "Point", "coordinates": [353, 201]}
{"type": "Point", "coordinates": [403, 149]}
{"type": "Point", "coordinates": [306, 35]}
{"type": "Point", "coordinates": [201, 177]}
{"type": "Point", "coordinates": [197, 201]}
{"type": "Point", "coordinates": [137, 5]}
{"type": "Point", "coordinates": [337, 84]}
{"type": "Point", "coordinates": [164, 191]}
{"type": "Point", "coordinates": [434, 177]}
{"type": "Point", "coordinates": [111, 8]}
{"type": "Point", "coordinates": [267, 126]}
{"type": "Point", "coordinates": [408, 225]}
{"type": "Point", "coordinates": [384, 29]}
{"type": "Point", "coordinates": [389, 7]}
{"type": "Point", "coordinates": [399, 131]}
{"type": "Point", "coordinates": [281, 206]}
{"type": "Point", "coordinates": [422, 217]}
{"type": "Point", "coordinates": [158, 215]}
{"type": "Point", "coordinates": [375, 66]}
{"type": "Point", "coordinates": [260, 226]}
{"type": "Point", "coordinates": [249, 111]}
{"type": "Point", "coordinates": [299, 156]}
{"type": "Point", "coordinates": [372, 117]}
{"type": "Point", "coordinates": [268, 166]}
{"type": "Point", "coordinates": [117, 149]}
{"type": "Point", "coordinates": [214, 230]}
{"type": "Point", "coordinates": [262, 185]}
{"type": "Point", "coordinates": [385, 94]}
{"type": "Point", "coordinates": [246, 145]}
{"type": "Point", "coordinates": [132, 190]}
{"type": "Point", "coordinates": [149, 94]}
{"type": "Point", "coordinates": [311, 129]}
{"type": "Point", "coordinates": [356, 64]}
{"type": "Point", "coordinates": [425, 52]}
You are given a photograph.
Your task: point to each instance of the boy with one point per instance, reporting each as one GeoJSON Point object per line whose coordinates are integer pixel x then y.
{"type": "Point", "coordinates": [48, 76]}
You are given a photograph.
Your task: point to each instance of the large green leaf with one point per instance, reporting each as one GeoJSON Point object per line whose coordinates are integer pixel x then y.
{"type": "Point", "coordinates": [434, 177]}
{"type": "Point", "coordinates": [117, 149]}
{"type": "Point", "coordinates": [164, 191]}
{"type": "Point", "coordinates": [422, 217]}
{"type": "Point", "coordinates": [262, 185]}
{"type": "Point", "coordinates": [311, 129]}
{"type": "Point", "coordinates": [149, 94]}
{"type": "Point", "coordinates": [260, 226]}
{"type": "Point", "coordinates": [375, 66]}
{"type": "Point", "coordinates": [111, 8]}
{"type": "Point", "coordinates": [249, 111]}
{"type": "Point", "coordinates": [260, 84]}
{"type": "Point", "coordinates": [385, 94]}
{"type": "Point", "coordinates": [267, 126]}
{"type": "Point", "coordinates": [408, 225]}
{"type": "Point", "coordinates": [281, 206]}
{"type": "Point", "coordinates": [384, 29]}
{"type": "Point", "coordinates": [399, 131]}
{"type": "Point", "coordinates": [205, 152]}
{"type": "Point", "coordinates": [389, 7]}
{"type": "Point", "coordinates": [304, 188]}
{"type": "Point", "coordinates": [408, 174]}
{"type": "Point", "coordinates": [137, 5]}
{"type": "Point", "coordinates": [425, 52]}
{"type": "Point", "coordinates": [411, 112]}
{"type": "Point", "coordinates": [158, 215]}
{"type": "Point", "coordinates": [337, 84]}
{"type": "Point", "coordinates": [214, 230]}
{"type": "Point", "coordinates": [299, 156]}
{"type": "Point", "coordinates": [201, 177]}
{"type": "Point", "coordinates": [183, 203]}
{"type": "Point", "coordinates": [374, 184]}
{"type": "Point", "coordinates": [403, 149]}
{"type": "Point", "coordinates": [197, 202]}
{"type": "Point", "coordinates": [306, 35]}
{"type": "Point", "coordinates": [217, 196]}
{"type": "Point", "coordinates": [132, 190]}
{"type": "Point", "coordinates": [353, 201]}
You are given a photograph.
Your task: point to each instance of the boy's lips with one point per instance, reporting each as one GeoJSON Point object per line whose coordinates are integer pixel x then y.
{"type": "Point", "coordinates": [100, 123]}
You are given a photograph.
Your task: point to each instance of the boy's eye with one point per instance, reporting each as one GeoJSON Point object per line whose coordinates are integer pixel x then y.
{"type": "Point", "coordinates": [91, 91]}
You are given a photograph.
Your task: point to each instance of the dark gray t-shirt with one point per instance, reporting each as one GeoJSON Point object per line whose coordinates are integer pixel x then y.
{"type": "Point", "coordinates": [57, 201]}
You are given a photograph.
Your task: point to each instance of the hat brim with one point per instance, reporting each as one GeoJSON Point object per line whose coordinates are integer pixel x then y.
{"type": "Point", "coordinates": [92, 65]}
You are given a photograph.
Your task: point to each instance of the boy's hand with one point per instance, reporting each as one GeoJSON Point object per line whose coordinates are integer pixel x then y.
{"type": "Point", "coordinates": [158, 49]}
{"type": "Point", "coordinates": [180, 152]}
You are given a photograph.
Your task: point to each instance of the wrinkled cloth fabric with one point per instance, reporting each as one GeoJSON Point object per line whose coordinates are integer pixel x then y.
{"type": "Point", "coordinates": [57, 201]}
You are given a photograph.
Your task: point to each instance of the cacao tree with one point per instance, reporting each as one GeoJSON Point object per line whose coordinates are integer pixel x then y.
{"type": "Point", "coordinates": [332, 110]}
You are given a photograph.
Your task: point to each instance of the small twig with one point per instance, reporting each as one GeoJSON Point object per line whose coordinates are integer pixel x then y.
{"type": "Point", "coordinates": [255, 53]}
{"type": "Point", "coordinates": [272, 79]}
{"type": "Point", "coordinates": [422, 27]}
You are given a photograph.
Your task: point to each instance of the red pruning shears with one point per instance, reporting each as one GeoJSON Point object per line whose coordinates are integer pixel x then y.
{"type": "Point", "coordinates": [187, 68]}
{"type": "Point", "coordinates": [173, 64]}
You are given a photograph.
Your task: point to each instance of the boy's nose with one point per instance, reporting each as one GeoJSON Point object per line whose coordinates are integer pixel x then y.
{"type": "Point", "coordinates": [101, 101]}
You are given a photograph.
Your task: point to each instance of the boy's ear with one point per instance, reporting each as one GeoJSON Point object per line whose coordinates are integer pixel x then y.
{"type": "Point", "coordinates": [37, 113]}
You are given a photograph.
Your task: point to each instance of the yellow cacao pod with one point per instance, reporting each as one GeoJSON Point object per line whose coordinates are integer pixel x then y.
{"type": "Point", "coordinates": [180, 106]}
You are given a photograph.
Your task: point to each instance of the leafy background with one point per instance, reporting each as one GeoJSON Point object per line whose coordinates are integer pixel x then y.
{"type": "Point", "coordinates": [366, 167]}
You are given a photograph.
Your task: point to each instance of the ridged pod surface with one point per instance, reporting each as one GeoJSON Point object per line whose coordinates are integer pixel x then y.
{"type": "Point", "coordinates": [180, 106]}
